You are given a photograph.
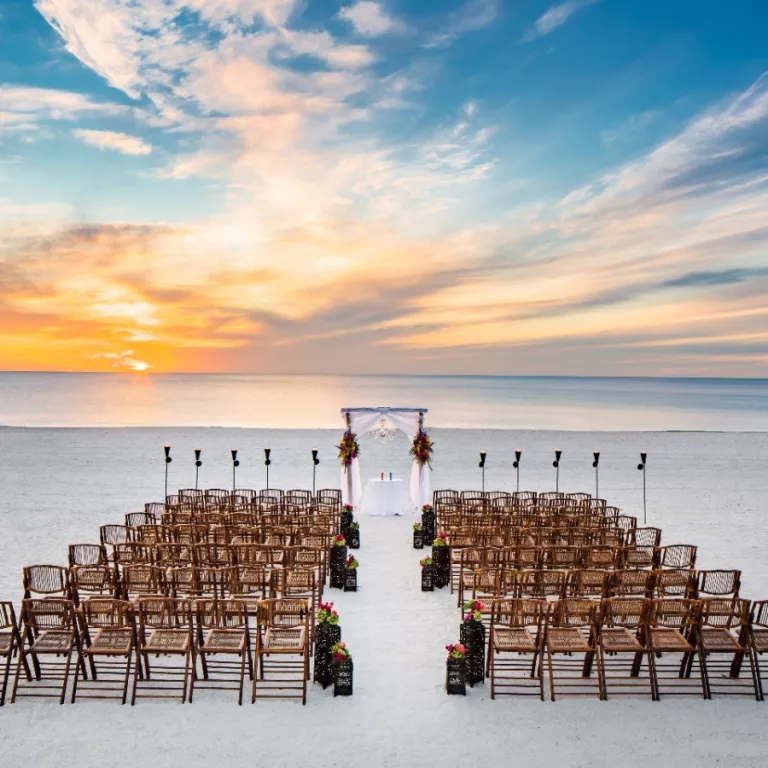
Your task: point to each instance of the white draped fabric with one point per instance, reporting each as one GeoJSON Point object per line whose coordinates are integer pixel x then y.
{"type": "Point", "coordinates": [360, 421]}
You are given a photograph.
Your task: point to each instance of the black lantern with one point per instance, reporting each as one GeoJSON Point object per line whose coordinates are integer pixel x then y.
{"type": "Point", "coordinates": [315, 462]}
{"type": "Point", "coordinates": [556, 465]}
{"type": "Point", "coordinates": [482, 467]}
{"type": "Point", "coordinates": [641, 467]}
{"type": "Point", "coordinates": [235, 465]}
{"type": "Point", "coordinates": [595, 464]}
{"type": "Point", "coordinates": [168, 460]}
{"type": "Point", "coordinates": [516, 465]}
{"type": "Point", "coordinates": [198, 464]}
{"type": "Point", "coordinates": [267, 462]}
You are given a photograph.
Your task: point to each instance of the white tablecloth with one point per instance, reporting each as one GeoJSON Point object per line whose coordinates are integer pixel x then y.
{"type": "Point", "coordinates": [383, 498]}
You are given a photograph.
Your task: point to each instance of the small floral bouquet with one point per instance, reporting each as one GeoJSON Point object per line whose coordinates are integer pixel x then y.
{"type": "Point", "coordinates": [352, 563]}
{"type": "Point", "coordinates": [339, 541]}
{"type": "Point", "coordinates": [457, 651]}
{"type": "Point", "coordinates": [348, 508]}
{"type": "Point", "coordinates": [418, 527]}
{"type": "Point", "coordinates": [440, 541]}
{"type": "Point", "coordinates": [426, 562]}
{"type": "Point", "coordinates": [340, 653]}
{"type": "Point", "coordinates": [354, 527]}
{"type": "Point", "coordinates": [326, 616]}
{"type": "Point", "coordinates": [426, 508]}
{"type": "Point", "coordinates": [349, 448]}
{"type": "Point", "coordinates": [474, 609]}
{"type": "Point", "coordinates": [422, 449]}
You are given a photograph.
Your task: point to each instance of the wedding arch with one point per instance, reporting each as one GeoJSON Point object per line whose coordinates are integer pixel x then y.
{"type": "Point", "coordinates": [382, 423]}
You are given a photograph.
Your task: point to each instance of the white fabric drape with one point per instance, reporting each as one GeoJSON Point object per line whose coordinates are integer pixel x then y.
{"type": "Point", "coordinates": [359, 422]}
{"type": "Point", "coordinates": [407, 422]}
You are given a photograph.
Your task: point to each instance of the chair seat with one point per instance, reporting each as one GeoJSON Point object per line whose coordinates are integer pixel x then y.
{"type": "Point", "coordinates": [670, 640]}
{"type": "Point", "coordinates": [285, 639]}
{"type": "Point", "coordinates": [760, 637]}
{"type": "Point", "coordinates": [619, 639]}
{"type": "Point", "coordinates": [53, 641]}
{"type": "Point", "coordinates": [567, 639]}
{"type": "Point", "coordinates": [508, 639]}
{"type": "Point", "coordinates": [224, 641]}
{"type": "Point", "coordinates": [168, 641]}
{"type": "Point", "coordinates": [719, 639]}
{"type": "Point", "coordinates": [111, 641]}
{"type": "Point", "coordinates": [6, 641]}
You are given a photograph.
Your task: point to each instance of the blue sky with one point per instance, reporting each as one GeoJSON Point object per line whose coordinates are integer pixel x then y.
{"type": "Point", "coordinates": [477, 186]}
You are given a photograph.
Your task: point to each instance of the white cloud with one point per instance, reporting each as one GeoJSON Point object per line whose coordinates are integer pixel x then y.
{"type": "Point", "coordinates": [470, 108]}
{"type": "Point", "coordinates": [555, 17]}
{"type": "Point", "coordinates": [120, 142]}
{"type": "Point", "coordinates": [473, 15]}
{"type": "Point", "coordinates": [369, 18]}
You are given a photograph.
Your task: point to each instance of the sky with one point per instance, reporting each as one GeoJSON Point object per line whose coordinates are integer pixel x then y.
{"type": "Point", "coordinates": [444, 186]}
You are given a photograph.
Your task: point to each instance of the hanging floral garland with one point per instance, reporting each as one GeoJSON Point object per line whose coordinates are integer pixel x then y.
{"type": "Point", "coordinates": [422, 449]}
{"type": "Point", "coordinates": [349, 448]}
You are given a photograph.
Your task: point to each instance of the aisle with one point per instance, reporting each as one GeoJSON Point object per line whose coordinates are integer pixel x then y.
{"type": "Point", "coordinates": [397, 633]}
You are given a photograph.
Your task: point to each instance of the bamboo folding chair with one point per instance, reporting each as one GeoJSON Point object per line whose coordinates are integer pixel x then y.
{"type": "Point", "coordinates": [282, 650]}
{"type": "Point", "coordinates": [10, 643]}
{"type": "Point", "coordinates": [46, 580]}
{"type": "Point", "coordinates": [87, 554]}
{"type": "Point", "coordinates": [50, 638]}
{"type": "Point", "coordinates": [165, 629]}
{"type": "Point", "coordinates": [588, 583]}
{"type": "Point", "coordinates": [674, 582]}
{"type": "Point", "coordinates": [148, 517]}
{"type": "Point", "coordinates": [108, 643]}
{"type": "Point", "coordinates": [222, 630]}
{"type": "Point", "coordinates": [516, 631]}
{"type": "Point", "coordinates": [571, 632]}
{"type": "Point", "coordinates": [631, 583]}
{"type": "Point", "coordinates": [142, 580]}
{"type": "Point", "coordinates": [717, 584]}
{"type": "Point", "coordinates": [672, 625]}
{"type": "Point", "coordinates": [622, 631]}
{"type": "Point", "coordinates": [723, 631]}
{"type": "Point", "coordinates": [758, 638]}
{"type": "Point", "coordinates": [92, 580]}
{"type": "Point", "coordinates": [676, 556]}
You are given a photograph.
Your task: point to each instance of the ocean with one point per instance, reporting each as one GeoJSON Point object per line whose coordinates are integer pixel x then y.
{"type": "Point", "coordinates": [313, 402]}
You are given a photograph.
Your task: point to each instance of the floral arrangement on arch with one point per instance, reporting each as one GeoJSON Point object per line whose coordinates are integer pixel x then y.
{"type": "Point", "coordinates": [341, 653]}
{"type": "Point", "coordinates": [326, 616]}
{"type": "Point", "coordinates": [352, 564]}
{"type": "Point", "coordinates": [425, 562]}
{"type": "Point", "coordinates": [422, 449]}
{"type": "Point", "coordinates": [339, 541]}
{"type": "Point", "coordinates": [457, 651]}
{"type": "Point", "coordinates": [474, 611]}
{"type": "Point", "coordinates": [440, 541]}
{"type": "Point", "coordinates": [349, 448]}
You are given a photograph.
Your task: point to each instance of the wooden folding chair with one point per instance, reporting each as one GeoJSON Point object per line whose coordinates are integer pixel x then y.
{"type": "Point", "coordinates": [622, 631]}
{"type": "Point", "coordinates": [723, 642]}
{"type": "Point", "coordinates": [758, 638]}
{"type": "Point", "coordinates": [108, 643]}
{"type": "Point", "coordinates": [672, 625]}
{"type": "Point", "coordinates": [282, 650]}
{"type": "Point", "coordinates": [50, 637]}
{"type": "Point", "coordinates": [165, 629]}
{"type": "Point", "coordinates": [516, 631]}
{"type": "Point", "coordinates": [10, 643]}
{"type": "Point", "coordinates": [571, 632]}
{"type": "Point", "coordinates": [222, 630]}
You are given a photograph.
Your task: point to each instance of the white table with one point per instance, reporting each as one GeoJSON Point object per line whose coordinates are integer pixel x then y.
{"type": "Point", "coordinates": [384, 498]}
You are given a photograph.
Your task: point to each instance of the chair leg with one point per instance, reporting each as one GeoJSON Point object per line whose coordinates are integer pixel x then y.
{"type": "Point", "coordinates": [6, 675]}
{"type": "Point", "coordinates": [66, 675]}
{"type": "Point", "coordinates": [242, 679]}
{"type": "Point", "coordinates": [136, 674]}
{"type": "Point", "coordinates": [127, 675]}
{"type": "Point", "coordinates": [551, 677]}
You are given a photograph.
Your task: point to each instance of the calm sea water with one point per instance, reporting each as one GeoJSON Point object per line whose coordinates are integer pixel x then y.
{"type": "Point", "coordinates": [313, 402]}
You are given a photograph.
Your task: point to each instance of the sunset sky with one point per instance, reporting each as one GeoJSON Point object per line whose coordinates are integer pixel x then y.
{"type": "Point", "coordinates": [441, 186]}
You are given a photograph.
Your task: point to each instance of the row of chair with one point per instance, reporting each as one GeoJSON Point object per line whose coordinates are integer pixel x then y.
{"type": "Point", "coordinates": [155, 646]}
{"type": "Point", "coordinates": [628, 643]}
